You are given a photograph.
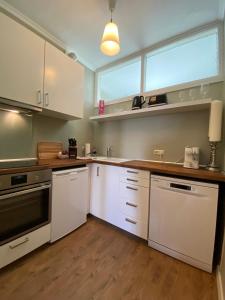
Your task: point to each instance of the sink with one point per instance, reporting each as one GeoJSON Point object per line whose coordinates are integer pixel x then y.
{"type": "Point", "coordinates": [110, 159]}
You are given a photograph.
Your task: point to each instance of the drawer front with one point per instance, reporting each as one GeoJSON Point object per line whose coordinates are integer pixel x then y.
{"type": "Point", "coordinates": [134, 226]}
{"type": "Point", "coordinates": [137, 194]}
{"type": "Point", "coordinates": [23, 245]}
{"type": "Point", "coordinates": [135, 173]}
{"type": "Point", "coordinates": [135, 181]}
{"type": "Point", "coordinates": [135, 210]}
{"type": "Point", "coordinates": [134, 201]}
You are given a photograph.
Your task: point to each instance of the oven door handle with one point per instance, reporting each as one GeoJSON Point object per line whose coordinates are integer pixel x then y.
{"type": "Point", "coordinates": [24, 192]}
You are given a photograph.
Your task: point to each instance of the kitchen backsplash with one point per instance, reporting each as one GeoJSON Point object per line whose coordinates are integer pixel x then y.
{"type": "Point", "coordinates": [16, 135]}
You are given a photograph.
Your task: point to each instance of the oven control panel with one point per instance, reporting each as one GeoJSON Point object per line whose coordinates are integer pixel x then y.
{"type": "Point", "coordinates": [15, 180]}
{"type": "Point", "coordinates": [18, 179]}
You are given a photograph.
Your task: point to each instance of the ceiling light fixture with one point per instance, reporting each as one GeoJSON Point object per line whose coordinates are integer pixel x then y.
{"type": "Point", "coordinates": [110, 44]}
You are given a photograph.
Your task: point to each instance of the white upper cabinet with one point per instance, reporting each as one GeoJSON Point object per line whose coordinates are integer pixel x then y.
{"type": "Point", "coordinates": [21, 63]}
{"type": "Point", "coordinates": [63, 83]}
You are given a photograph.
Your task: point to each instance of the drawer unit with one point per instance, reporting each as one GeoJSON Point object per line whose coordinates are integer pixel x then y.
{"type": "Point", "coordinates": [134, 201]}
{"type": "Point", "coordinates": [13, 250]}
{"type": "Point", "coordinates": [135, 173]}
{"type": "Point", "coordinates": [120, 196]}
{"type": "Point", "coordinates": [134, 226]}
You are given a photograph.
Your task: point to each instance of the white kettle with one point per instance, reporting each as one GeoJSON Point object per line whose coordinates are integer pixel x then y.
{"type": "Point", "coordinates": [191, 157]}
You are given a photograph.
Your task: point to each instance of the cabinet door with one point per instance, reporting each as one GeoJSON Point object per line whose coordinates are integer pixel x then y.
{"type": "Point", "coordinates": [97, 201]}
{"type": "Point", "coordinates": [21, 63]}
{"type": "Point", "coordinates": [63, 83]}
{"type": "Point", "coordinates": [105, 202]}
{"type": "Point", "coordinates": [62, 204]}
{"type": "Point", "coordinates": [82, 194]}
{"type": "Point", "coordinates": [111, 195]}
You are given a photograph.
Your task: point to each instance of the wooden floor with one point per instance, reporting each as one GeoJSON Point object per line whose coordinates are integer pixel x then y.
{"type": "Point", "coordinates": [99, 261]}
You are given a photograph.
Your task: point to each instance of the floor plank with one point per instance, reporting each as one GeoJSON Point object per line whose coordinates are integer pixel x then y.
{"type": "Point", "coordinates": [101, 262]}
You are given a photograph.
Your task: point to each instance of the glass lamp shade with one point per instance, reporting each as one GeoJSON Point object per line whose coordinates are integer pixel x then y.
{"type": "Point", "coordinates": [110, 44]}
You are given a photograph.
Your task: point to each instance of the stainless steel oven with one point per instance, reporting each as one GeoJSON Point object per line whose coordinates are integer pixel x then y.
{"type": "Point", "coordinates": [25, 203]}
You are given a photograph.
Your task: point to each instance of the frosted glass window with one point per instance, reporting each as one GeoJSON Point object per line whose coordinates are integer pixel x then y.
{"type": "Point", "coordinates": [188, 60]}
{"type": "Point", "coordinates": [121, 81]}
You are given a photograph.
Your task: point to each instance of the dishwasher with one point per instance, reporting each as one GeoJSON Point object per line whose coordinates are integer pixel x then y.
{"type": "Point", "coordinates": [69, 201]}
{"type": "Point", "coordinates": [182, 219]}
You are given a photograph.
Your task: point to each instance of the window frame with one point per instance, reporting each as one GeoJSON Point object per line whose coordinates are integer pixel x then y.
{"type": "Point", "coordinates": [112, 67]}
{"type": "Point", "coordinates": [145, 52]}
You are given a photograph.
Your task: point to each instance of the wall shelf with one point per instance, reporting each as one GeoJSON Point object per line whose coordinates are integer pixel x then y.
{"type": "Point", "coordinates": [156, 110]}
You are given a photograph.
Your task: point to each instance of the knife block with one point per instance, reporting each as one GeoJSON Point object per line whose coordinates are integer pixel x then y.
{"type": "Point", "coordinates": [72, 152]}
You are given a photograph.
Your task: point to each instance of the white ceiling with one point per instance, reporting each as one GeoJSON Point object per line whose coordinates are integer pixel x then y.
{"type": "Point", "coordinates": [142, 23]}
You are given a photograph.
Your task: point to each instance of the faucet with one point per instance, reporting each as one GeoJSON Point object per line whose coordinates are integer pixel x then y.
{"type": "Point", "coordinates": [109, 151]}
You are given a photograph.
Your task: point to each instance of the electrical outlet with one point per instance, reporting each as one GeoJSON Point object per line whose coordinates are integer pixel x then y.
{"type": "Point", "coordinates": [160, 153]}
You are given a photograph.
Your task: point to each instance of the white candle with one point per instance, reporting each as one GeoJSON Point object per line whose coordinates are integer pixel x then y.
{"type": "Point", "coordinates": [215, 121]}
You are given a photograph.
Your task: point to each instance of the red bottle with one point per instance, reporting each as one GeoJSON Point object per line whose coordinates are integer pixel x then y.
{"type": "Point", "coordinates": [101, 107]}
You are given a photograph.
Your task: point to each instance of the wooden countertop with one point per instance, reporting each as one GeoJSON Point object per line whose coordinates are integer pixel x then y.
{"type": "Point", "coordinates": [63, 163]}
{"type": "Point", "coordinates": [172, 169]}
{"type": "Point", "coordinates": [161, 168]}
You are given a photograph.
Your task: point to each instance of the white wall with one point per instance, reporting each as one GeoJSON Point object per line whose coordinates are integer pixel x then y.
{"type": "Point", "coordinates": [137, 138]}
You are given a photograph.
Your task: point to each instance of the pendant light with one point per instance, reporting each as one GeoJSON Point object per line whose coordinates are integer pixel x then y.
{"type": "Point", "coordinates": [110, 44]}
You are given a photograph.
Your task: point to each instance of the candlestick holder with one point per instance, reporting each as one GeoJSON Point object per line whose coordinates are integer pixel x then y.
{"type": "Point", "coordinates": [212, 160]}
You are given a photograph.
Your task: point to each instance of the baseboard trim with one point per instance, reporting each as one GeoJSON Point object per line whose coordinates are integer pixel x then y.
{"type": "Point", "coordinates": [219, 285]}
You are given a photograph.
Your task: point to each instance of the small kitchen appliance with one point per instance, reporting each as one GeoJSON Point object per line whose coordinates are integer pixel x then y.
{"type": "Point", "coordinates": [138, 102]}
{"type": "Point", "coordinates": [157, 100]}
{"type": "Point", "coordinates": [191, 157]}
{"type": "Point", "coordinates": [72, 148]}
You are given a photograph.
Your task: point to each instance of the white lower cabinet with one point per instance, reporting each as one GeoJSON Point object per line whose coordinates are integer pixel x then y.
{"type": "Point", "coordinates": [104, 199]}
{"type": "Point", "coordinates": [21, 246]}
{"type": "Point", "coordinates": [69, 201]}
{"type": "Point", "coordinates": [119, 201]}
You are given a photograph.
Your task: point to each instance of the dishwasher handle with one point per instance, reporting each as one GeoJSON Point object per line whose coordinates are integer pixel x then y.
{"type": "Point", "coordinates": [182, 191]}
{"type": "Point", "coordinates": [180, 186]}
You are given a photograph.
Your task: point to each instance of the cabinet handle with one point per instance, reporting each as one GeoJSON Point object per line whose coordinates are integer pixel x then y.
{"type": "Point", "coordinates": [132, 172]}
{"type": "Point", "coordinates": [133, 180]}
{"type": "Point", "coordinates": [73, 179]}
{"type": "Point", "coordinates": [97, 171]}
{"type": "Point", "coordinates": [46, 99]}
{"type": "Point", "coordinates": [62, 174]}
{"type": "Point", "coordinates": [19, 244]}
{"type": "Point", "coordinates": [131, 188]}
{"type": "Point", "coordinates": [39, 100]}
{"type": "Point", "coordinates": [131, 204]}
{"type": "Point", "coordinates": [130, 221]}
